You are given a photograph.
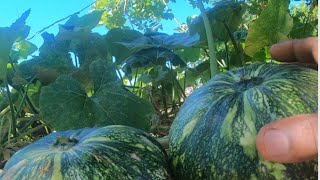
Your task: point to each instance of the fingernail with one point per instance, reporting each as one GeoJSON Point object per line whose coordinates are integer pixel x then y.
{"type": "Point", "coordinates": [274, 46]}
{"type": "Point", "coordinates": [276, 143]}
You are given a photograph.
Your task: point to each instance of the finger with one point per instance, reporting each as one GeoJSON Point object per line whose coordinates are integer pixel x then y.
{"type": "Point", "coordinates": [300, 50]}
{"type": "Point", "coordinates": [306, 65]}
{"type": "Point", "coordinates": [289, 140]}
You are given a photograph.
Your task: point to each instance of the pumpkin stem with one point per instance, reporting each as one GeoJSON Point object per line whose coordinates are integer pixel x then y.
{"type": "Point", "coordinates": [65, 143]}
{"type": "Point", "coordinates": [247, 82]}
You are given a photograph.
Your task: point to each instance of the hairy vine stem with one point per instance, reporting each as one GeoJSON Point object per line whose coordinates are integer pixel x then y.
{"type": "Point", "coordinates": [22, 91]}
{"type": "Point", "coordinates": [45, 28]}
{"type": "Point", "coordinates": [238, 49]}
{"type": "Point", "coordinates": [13, 117]}
{"type": "Point", "coordinates": [211, 45]}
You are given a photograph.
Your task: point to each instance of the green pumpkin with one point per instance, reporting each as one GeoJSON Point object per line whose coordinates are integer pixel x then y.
{"type": "Point", "coordinates": [213, 135]}
{"type": "Point", "coordinates": [112, 152]}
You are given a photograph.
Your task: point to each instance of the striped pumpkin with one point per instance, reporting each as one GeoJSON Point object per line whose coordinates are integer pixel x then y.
{"type": "Point", "coordinates": [112, 152]}
{"type": "Point", "coordinates": [214, 133]}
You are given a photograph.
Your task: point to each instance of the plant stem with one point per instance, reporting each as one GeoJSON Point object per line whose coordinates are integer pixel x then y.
{"type": "Point", "coordinates": [174, 79]}
{"type": "Point", "coordinates": [119, 73]}
{"type": "Point", "coordinates": [238, 49]}
{"type": "Point", "coordinates": [13, 117]}
{"type": "Point", "coordinates": [31, 120]}
{"type": "Point", "coordinates": [163, 96]}
{"type": "Point", "coordinates": [22, 92]}
{"type": "Point", "coordinates": [24, 134]}
{"type": "Point", "coordinates": [140, 89]}
{"type": "Point", "coordinates": [76, 60]}
{"type": "Point", "coordinates": [135, 77]}
{"type": "Point", "coordinates": [211, 45]}
{"type": "Point", "coordinates": [22, 102]}
{"type": "Point", "coordinates": [227, 55]}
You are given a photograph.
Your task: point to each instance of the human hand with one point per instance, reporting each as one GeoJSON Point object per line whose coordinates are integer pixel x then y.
{"type": "Point", "coordinates": [293, 139]}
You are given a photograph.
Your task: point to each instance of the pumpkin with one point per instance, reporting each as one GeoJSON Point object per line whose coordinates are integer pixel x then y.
{"type": "Point", "coordinates": [112, 152]}
{"type": "Point", "coordinates": [213, 135]}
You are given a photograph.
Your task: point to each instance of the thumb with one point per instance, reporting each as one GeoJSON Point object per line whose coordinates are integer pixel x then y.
{"type": "Point", "coordinates": [289, 140]}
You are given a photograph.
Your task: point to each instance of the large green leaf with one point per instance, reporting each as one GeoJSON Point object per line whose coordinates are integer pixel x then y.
{"type": "Point", "coordinates": [8, 35]}
{"type": "Point", "coordinates": [79, 28]}
{"type": "Point", "coordinates": [273, 25]}
{"type": "Point", "coordinates": [224, 16]}
{"type": "Point", "coordinates": [54, 59]}
{"type": "Point", "coordinates": [188, 54]}
{"type": "Point", "coordinates": [65, 105]}
{"type": "Point", "coordinates": [102, 74]}
{"type": "Point", "coordinates": [152, 56]}
{"type": "Point", "coordinates": [88, 21]}
{"type": "Point", "coordinates": [118, 35]}
{"type": "Point", "coordinates": [305, 21]}
{"type": "Point", "coordinates": [175, 41]}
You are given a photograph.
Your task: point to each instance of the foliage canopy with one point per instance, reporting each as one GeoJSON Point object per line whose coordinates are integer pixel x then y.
{"type": "Point", "coordinates": [133, 75]}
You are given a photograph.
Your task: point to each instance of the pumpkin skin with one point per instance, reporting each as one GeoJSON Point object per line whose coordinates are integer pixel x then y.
{"type": "Point", "coordinates": [112, 152]}
{"type": "Point", "coordinates": [213, 135]}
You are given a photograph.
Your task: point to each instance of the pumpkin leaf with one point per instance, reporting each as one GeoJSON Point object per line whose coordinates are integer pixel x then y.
{"type": "Point", "coordinates": [195, 76]}
{"type": "Point", "coordinates": [224, 13]}
{"type": "Point", "coordinates": [118, 35]}
{"type": "Point", "coordinates": [22, 50]}
{"type": "Point", "coordinates": [157, 73]}
{"type": "Point", "coordinates": [102, 74]}
{"type": "Point", "coordinates": [188, 54]}
{"type": "Point", "coordinates": [153, 56]}
{"type": "Point", "coordinates": [8, 35]}
{"type": "Point", "coordinates": [79, 28]}
{"type": "Point", "coordinates": [175, 41]}
{"type": "Point", "coordinates": [65, 105]}
{"type": "Point", "coordinates": [261, 34]}
{"type": "Point", "coordinates": [88, 21]}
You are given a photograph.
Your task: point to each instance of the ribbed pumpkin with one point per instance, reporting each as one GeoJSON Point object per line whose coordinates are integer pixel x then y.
{"type": "Point", "coordinates": [213, 135]}
{"type": "Point", "coordinates": [112, 152]}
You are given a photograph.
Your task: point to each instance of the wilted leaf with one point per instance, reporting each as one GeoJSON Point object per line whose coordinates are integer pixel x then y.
{"type": "Point", "coordinates": [175, 41]}
{"type": "Point", "coordinates": [152, 56]}
{"type": "Point", "coordinates": [273, 25]}
{"type": "Point", "coordinates": [65, 105]}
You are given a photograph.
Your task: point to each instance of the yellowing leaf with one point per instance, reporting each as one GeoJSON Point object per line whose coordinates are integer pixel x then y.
{"type": "Point", "coordinates": [273, 25]}
{"type": "Point", "coordinates": [22, 50]}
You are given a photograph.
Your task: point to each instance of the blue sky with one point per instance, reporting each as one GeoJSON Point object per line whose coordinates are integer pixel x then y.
{"type": "Point", "coordinates": [44, 13]}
